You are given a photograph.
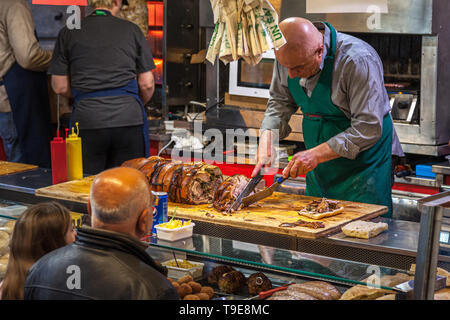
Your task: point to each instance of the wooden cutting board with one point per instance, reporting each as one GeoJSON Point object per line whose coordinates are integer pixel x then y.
{"type": "Point", "coordinates": [269, 213]}
{"type": "Point", "coordinates": [7, 168]}
{"type": "Point", "coordinates": [265, 215]}
{"type": "Point", "coordinates": [76, 190]}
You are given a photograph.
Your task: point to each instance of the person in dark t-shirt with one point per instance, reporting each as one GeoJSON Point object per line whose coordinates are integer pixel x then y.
{"type": "Point", "coordinates": [106, 67]}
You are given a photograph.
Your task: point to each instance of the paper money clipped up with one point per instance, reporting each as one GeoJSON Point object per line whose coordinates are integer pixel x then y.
{"type": "Point", "coordinates": [243, 29]}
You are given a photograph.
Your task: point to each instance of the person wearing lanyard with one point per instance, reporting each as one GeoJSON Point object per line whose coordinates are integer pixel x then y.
{"type": "Point", "coordinates": [25, 123]}
{"type": "Point", "coordinates": [337, 81]}
{"type": "Point", "coordinates": [106, 67]}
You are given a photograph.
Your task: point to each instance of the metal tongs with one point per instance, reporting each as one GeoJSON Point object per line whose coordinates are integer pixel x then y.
{"type": "Point", "coordinates": [245, 192]}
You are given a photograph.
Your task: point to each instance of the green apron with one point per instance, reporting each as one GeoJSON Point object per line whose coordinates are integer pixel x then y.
{"type": "Point", "coordinates": [365, 179]}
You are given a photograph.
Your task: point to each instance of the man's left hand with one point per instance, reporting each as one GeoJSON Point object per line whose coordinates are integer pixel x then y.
{"type": "Point", "coordinates": [306, 161]}
{"type": "Point", "coordinates": [301, 163]}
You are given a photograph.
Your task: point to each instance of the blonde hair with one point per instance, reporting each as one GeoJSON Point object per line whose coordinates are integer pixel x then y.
{"type": "Point", "coordinates": [100, 3]}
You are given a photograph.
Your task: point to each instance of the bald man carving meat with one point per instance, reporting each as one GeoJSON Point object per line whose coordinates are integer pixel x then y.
{"type": "Point", "coordinates": [337, 81]}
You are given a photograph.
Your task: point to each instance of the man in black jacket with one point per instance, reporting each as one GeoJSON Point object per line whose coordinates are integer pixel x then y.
{"type": "Point", "coordinates": [107, 261]}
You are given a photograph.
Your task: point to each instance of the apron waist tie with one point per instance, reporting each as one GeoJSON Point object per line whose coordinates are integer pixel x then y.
{"type": "Point", "coordinates": [130, 89]}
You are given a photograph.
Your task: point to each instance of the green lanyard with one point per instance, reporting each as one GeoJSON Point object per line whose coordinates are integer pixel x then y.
{"type": "Point", "coordinates": [102, 13]}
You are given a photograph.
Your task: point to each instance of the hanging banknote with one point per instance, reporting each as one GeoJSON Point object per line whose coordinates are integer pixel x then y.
{"type": "Point", "coordinates": [244, 29]}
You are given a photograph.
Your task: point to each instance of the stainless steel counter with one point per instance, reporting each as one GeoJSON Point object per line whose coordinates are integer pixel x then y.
{"type": "Point", "coordinates": [402, 238]}
{"type": "Point", "coordinates": [20, 187]}
{"type": "Point", "coordinates": [442, 168]}
{"type": "Point", "coordinates": [395, 248]}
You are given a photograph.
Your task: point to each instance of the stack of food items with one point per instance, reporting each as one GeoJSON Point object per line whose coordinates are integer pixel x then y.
{"type": "Point", "coordinates": [230, 280]}
{"type": "Point", "coordinates": [244, 28]}
{"type": "Point", "coordinates": [188, 289]}
{"type": "Point", "coordinates": [371, 292]}
{"type": "Point", "coordinates": [443, 294]}
{"type": "Point", "coordinates": [5, 236]}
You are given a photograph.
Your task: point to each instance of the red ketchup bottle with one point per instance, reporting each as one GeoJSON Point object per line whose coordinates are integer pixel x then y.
{"type": "Point", "coordinates": [59, 160]}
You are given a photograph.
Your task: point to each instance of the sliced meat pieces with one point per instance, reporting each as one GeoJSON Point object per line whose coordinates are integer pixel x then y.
{"type": "Point", "coordinates": [228, 191]}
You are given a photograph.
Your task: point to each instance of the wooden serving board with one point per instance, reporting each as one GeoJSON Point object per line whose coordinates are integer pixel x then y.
{"type": "Point", "coordinates": [7, 168]}
{"type": "Point", "coordinates": [268, 214]}
{"type": "Point", "coordinates": [76, 190]}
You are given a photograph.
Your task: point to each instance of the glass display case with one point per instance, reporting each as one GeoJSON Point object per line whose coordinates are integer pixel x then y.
{"type": "Point", "coordinates": [279, 265]}
{"type": "Point", "coordinates": [347, 264]}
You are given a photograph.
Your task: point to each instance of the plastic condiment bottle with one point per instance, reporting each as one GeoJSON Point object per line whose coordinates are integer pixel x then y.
{"type": "Point", "coordinates": [74, 157]}
{"type": "Point", "coordinates": [59, 159]}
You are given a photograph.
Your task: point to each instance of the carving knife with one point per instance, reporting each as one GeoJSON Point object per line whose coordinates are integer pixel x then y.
{"type": "Point", "coordinates": [262, 194]}
{"type": "Point", "coordinates": [245, 192]}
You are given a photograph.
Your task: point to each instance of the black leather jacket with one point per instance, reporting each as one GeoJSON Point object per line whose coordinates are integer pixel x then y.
{"type": "Point", "coordinates": [100, 264]}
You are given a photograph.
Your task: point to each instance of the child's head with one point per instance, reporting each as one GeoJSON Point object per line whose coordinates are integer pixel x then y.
{"type": "Point", "coordinates": [41, 229]}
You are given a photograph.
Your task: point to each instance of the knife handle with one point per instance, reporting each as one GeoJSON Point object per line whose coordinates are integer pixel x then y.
{"type": "Point", "coordinates": [280, 180]}
{"type": "Point", "coordinates": [268, 293]}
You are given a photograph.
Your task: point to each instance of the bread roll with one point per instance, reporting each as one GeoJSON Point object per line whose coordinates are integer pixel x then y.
{"type": "Point", "coordinates": [231, 282]}
{"type": "Point", "coordinates": [387, 297]}
{"type": "Point", "coordinates": [334, 292]}
{"type": "Point", "coordinates": [196, 287]}
{"type": "Point", "coordinates": [183, 290]}
{"type": "Point", "coordinates": [439, 271]}
{"type": "Point", "coordinates": [312, 290]}
{"type": "Point", "coordinates": [185, 279]}
{"type": "Point", "coordinates": [9, 226]}
{"type": "Point", "coordinates": [202, 296]}
{"type": "Point", "coordinates": [360, 292]}
{"type": "Point", "coordinates": [443, 294]}
{"type": "Point", "coordinates": [258, 282]}
{"type": "Point", "coordinates": [290, 295]}
{"type": "Point", "coordinates": [364, 229]}
{"type": "Point", "coordinates": [208, 290]}
{"type": "Point", "coordinates": [4, 242]}
{"type": "Point", "coordinates": [217, 272]}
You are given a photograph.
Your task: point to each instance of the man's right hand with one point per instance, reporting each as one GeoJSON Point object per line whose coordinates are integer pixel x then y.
{"type": "Point", "coordinates": [266, 154]}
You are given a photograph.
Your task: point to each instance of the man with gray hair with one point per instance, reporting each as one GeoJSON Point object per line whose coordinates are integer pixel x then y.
{"type": "Point", "coordinates": [107, 260]}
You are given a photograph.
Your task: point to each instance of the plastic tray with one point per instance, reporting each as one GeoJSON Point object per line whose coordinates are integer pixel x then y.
{"type": "Point", "coordinates": [174, 234]}
{"type": "Point", "coordinates": [176, 273]}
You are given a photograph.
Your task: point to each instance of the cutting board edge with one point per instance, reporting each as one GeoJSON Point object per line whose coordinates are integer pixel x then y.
{"type": "Point", "coordinates": [56, 196]}
{"type": "Point", "coordinates": [282, 231]}
{"type": "Point", "coordinates": [237, 224]}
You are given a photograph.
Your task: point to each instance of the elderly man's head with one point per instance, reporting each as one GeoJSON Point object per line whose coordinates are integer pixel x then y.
{"type": "Point", "coordinates": [303, 50]}
{"type": "Point", "coordinates": [120, 200]}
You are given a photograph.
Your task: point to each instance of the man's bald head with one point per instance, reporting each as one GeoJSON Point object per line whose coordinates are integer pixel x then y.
{"type": "Point", "coordinates": [118, 195]}
{"type": "Point", "coordinates": [303, 42]}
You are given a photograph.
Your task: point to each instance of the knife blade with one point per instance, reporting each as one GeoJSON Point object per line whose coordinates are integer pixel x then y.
{"type": "Point", "coordinates": [267, 192]}
{"type": "Point", "coordinates": [245, 192]}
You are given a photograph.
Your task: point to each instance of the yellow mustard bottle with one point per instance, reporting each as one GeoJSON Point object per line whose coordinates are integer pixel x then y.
{"type": "Point", "coordinates": [74, 157]}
